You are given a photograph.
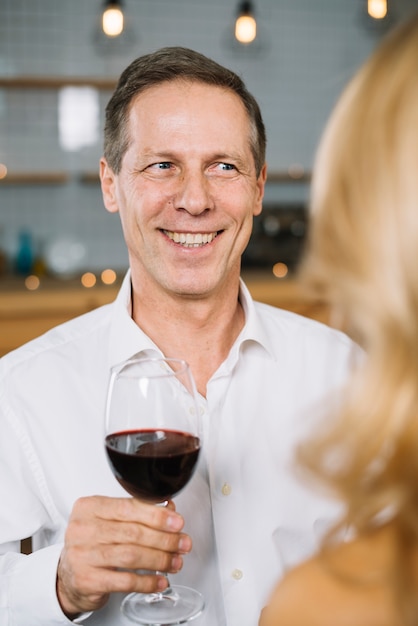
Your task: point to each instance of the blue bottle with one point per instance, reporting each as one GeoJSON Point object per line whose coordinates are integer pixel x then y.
{"type": "Point", "coordinates": [25, 254]}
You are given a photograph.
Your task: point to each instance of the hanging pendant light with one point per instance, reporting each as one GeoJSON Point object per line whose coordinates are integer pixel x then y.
{"type": "Point", "coordinates": [246, 36]}
{"type": "Point", "coordinates": [114, 32]}
{"type": "Point", "coordinates": [112, 18]}
{"type": "Point", "coordinates": [245, 24]}
{"type": "Point", "coordinates": [377, 9]}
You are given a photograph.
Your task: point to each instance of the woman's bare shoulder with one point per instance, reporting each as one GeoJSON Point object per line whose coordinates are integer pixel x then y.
{"type": "Point", "coordinates": [348, 587]}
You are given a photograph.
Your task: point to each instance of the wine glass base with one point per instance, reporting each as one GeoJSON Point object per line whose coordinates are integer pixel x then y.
{"type": "Point", "coordinates": [178, 605]}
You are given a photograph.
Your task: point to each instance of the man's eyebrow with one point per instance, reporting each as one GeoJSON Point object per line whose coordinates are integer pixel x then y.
{"type": "Point", "coordinates": [169, 155]}
{"type": "Point", "coordinates": [219, 156]}
{"type": "Point", "coordinates": [227, 156]}
{"type": "Point", "coordinates": [156, 154]}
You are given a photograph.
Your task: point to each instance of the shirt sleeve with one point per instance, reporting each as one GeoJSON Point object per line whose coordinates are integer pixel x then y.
{"type": "Point", "coordinates": [28, 589]}
{"type": "Point", "coordinates": [27, 582]}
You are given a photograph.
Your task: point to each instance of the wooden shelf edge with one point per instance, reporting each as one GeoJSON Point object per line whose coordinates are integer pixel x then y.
{"type": "Point", "coordinates": [285, 177]}
{"type": "Point", "coordinates": [35, 178]}
{"type": "Point", "coordinates": [273, 177]}
{"type": "Point", "coordinates": [59, 178]}
{"type": "Point", "coordinates": [56, 82]}
{"type": "Point", "coordinates": [89, 178]}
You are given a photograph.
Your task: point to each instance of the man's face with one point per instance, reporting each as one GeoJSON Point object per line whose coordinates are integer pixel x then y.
{"type": "Point", "coordinates": [187, 190]}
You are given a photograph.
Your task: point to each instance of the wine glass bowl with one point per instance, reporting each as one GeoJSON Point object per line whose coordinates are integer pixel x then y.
{"type": "Point", "coordinates": [152, 440]}
{"type": "Point", "coordinates": [153, 465]}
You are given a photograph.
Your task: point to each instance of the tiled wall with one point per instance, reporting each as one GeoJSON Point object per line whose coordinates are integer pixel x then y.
{"type": "Point", "coordinates": [310, 49]}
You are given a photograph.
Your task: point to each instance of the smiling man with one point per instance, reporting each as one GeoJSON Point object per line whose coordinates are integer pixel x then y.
{"type": "Point", "coordinates": [187, 190]}
{"type": "Point", "coordinates": [184, 166]}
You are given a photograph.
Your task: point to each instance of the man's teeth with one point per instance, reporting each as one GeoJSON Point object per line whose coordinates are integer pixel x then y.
{"type": "Point", "coordinates": [191, 240]}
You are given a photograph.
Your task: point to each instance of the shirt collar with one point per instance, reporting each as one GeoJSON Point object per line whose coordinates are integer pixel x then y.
{"type": "Point", "coordinates": [127, 339]}
{"type": "Point", "coordinates": [254, 330]}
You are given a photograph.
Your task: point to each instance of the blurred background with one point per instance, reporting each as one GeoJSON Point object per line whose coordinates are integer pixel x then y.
{"type": "Point", "coordinates": [57, 70]}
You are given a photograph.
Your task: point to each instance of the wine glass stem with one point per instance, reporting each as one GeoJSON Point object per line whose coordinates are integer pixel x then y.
{"type": "Point", "coordinates": [168, 591]}
{"type": "Point", "coordinates": [168, 588]}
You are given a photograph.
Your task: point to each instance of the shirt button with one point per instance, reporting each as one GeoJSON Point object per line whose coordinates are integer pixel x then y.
{"type": "Point", "coordinates": [237, 574]}
{"type": "Point", "coordinates": [226, 489]}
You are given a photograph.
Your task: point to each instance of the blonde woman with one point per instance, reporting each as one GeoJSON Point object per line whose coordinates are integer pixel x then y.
{"type": "Point", "coordinates": [363, 257]}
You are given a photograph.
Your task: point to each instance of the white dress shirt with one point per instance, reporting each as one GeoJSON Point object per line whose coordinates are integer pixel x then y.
{"type": "Point", "coordinates": [248, 515]}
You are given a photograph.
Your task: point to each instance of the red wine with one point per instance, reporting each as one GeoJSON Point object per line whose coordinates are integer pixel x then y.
{"type": "Point", "coordinates": [152, 465]}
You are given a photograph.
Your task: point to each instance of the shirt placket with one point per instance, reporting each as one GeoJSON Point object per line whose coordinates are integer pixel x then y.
{"type": "Point", "coordinates": [228, 506]}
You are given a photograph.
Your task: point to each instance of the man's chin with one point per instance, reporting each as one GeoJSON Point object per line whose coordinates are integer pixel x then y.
{"type": "Point", "coordinates": [193, 289]}
{"type": "Point", "coordinates": [192, 292]}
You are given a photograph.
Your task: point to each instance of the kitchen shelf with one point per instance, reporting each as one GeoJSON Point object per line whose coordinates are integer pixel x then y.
{"type": "Point", "coordinates": [89, 178]}
{"type": "Point", "coordinates": [35, 178]}
{"type": "Point", "coordinates": [286, 177]}
{"type": "Point", "coordinates": [56, 82]}
{"type": "Point", "coordinates": [92, 178]}
{"type": "Point", "coordinates": [273, 177]}
{"type": "Point", "coordinates": [298, 175]}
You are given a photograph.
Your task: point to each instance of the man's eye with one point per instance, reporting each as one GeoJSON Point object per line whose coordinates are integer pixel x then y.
{"type": "Point", "coordinates": [161, 166]}
{"type": "Point", "coordinates": [227, 167]}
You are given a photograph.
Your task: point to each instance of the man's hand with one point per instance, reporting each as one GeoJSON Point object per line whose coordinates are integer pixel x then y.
{"type": "Point", "coordinates": [107, 536]}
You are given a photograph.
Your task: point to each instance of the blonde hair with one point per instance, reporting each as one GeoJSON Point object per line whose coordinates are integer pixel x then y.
{"type": "Point", "coordinates": [362, 256]}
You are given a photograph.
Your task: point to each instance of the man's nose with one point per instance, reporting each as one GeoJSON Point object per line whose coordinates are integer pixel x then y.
{"type": "Point", "coordinates": [193, 194]}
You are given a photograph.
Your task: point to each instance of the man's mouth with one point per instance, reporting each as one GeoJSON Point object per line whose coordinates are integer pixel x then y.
{"type": "Point", "coordinates": [191, 240]}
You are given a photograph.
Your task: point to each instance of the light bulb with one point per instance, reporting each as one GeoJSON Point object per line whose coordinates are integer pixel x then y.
{"type": "Point", "coordinates": [377, 8]}
{"type": "Point", "coordinates": [112, 20]}
{"type": "Point", "coordinates": [245, 29]}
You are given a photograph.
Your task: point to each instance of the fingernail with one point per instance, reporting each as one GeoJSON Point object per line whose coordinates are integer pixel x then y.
{"type": "Point", "coordinates": [174, 522]}
{"type": "Point", "coordinates": [162, 583]}
{"type": "Point", "coordinates": [185, 544]}
{"type": "Point", "coordinates": [176, 563]}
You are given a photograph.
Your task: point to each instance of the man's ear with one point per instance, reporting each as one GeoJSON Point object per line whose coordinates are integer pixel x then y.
{"type": "Point", "coordinates": [108, 183]}
{"type": "Point", "coordinates": [261, 183]}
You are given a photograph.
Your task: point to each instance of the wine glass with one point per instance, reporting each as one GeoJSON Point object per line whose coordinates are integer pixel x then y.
{"type": "Point", "coordinates": [153, 437]}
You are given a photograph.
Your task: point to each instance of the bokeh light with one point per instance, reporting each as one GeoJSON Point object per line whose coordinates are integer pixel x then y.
{"type": "Point", "coordinates": [32, 282]}
{"type": "Point", "coordinates": [108, 276]}
{"type": "Point", "coordinates": [280, 270]}
{"type": "Point", "coordinates": [88, 279]}
{"type": "Point", "coordinates": [3, 171]}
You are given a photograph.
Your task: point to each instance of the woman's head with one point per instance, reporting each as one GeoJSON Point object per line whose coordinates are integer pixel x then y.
{"type": "Point", "coordinates": [362, 257]}
{"type": "Point", "coordinates": [364, 238]}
